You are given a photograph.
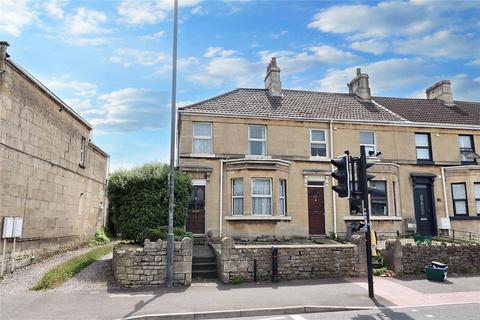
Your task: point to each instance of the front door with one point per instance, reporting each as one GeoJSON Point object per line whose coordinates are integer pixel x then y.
{"type": "Point", "coordinates": [424, 211]}
{"type": "Point", "coordinates": [196, 211]}
{"type": "Point", "coordinates": [316, 211]}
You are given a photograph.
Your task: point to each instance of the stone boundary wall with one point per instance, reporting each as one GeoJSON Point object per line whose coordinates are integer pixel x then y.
{"type": "Point", "coordinates": [412, 258]}
{"type": "Point", "coordinates": [137, 266]}
{"type": "Point", "coordinates": [300, 261]}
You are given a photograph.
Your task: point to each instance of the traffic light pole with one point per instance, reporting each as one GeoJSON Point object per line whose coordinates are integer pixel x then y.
{"type": "Point", "coordinates": [364, 188]}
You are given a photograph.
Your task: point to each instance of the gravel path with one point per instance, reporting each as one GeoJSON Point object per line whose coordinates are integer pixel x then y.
{"type": "Point", "coordinates": [25, 278]}
{"type": "Point", "coordinates": [96, 276]}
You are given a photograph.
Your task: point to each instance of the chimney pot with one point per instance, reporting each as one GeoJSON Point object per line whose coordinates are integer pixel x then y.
{"type": "Point", "coordinates": [272, 79]}
{"type": "Point", "coordinates": [442, 91]}
{"type": "Point", "coordinates": [3, 50]}
{"type": "Point", "coordinates": [360, 86]}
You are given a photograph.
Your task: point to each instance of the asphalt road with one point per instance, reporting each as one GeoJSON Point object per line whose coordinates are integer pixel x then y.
{"type": "Point", "coordinates": [442, 312]}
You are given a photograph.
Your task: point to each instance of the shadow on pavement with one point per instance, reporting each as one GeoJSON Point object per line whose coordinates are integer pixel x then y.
{"type": "Point", "coordinates": [385, 313]}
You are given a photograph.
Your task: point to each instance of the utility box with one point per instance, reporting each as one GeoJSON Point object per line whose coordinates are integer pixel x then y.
{"type": "Point", "coordinates": [436, 271]}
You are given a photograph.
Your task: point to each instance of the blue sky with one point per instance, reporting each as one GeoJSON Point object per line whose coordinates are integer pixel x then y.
{"type": "Point", "coordinates": [111, 60]}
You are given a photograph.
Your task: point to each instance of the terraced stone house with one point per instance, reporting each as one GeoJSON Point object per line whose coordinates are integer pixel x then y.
{"type": "Point", "coordinates": [51, 174]}
{"type": "Point", "coordinates": [260, 160]}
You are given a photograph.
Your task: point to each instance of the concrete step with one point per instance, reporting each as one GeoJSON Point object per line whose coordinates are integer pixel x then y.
{"type": "Point", "coordinates": [204, 266]}
{"type": "Point", "coordinates": [204, 260]}
{"type": "Point", "coordinates": [205, 274]}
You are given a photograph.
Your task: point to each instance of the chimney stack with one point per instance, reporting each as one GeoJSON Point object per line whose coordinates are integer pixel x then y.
{"type": "Point", "coordinates": [442, 91]}
{"type": "Point", "coordinates": [359, 86]}
{"type": "Point", "coordinates": [3, 50]}
{"type": "Point", "coordinates": [272, 79]}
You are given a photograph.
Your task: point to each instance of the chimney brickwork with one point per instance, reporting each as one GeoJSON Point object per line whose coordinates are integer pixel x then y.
{"type": "Point", "coordinates": [360, 86]}
{"type": "Point", "coordinates": [442, 91]}
{"type": "Point", "coordinates": [272, 79]}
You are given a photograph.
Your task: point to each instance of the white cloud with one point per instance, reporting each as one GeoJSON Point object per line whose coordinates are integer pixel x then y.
{"type": "Point", "coordinates": [218, 51]}
{"type": "Point", "coordinates": [128, 57]}
{"type": "Point", "coordinates": [444, 44]}
{"type": "Point", "coordinates": [79, 88]}
{"type": "Point", "coordinates": [199, 11]}
{"type": "Point", "coordinates": [86, 41]}
{"type": "Point", "coordinates": [131, 109]}
{"type": "Point", "coordinates": [86, 21]}
{"type": "Point", "coordinates": [384, 75]}
{"type": "Point", "coordinates": [135, 12]}
{"type": "Point", "coordinates": [15, 15]}
{"type": "Point", "coordinates": [371, 46]}
{"type": "Point", "coordinates": [280, 34]}
{"type": "Point", "coordinates": [465, 88]}
{"type": "Point", "coordinates": [385, 18]}
{"type": "Point", "coordinates": [155, 36]}
{"type": "Point", "coordinates": [54, 8]}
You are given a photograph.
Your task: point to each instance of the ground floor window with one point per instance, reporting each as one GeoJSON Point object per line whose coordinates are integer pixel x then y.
{"type": "Point", "coordinates": [459, 195]}
{"type": "Point", "coordinates": [282, 197]}
{"type": "Point", "coordinates": [237, 196]}
{"type": "Point", "coordinates": [262, 196]}
{"type": "Point", "coordinates": [378, 199]}
{"type": "Point", "coordinates": [477, 197]}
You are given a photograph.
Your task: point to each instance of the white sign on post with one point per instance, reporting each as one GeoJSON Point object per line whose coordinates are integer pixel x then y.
{"type": "Point", "coordinates": [7, 227]}
{"type": "Point", "coordinates": [17, 227]}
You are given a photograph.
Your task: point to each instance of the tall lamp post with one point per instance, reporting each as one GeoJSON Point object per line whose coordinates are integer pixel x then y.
{"type": "Point", "coordinates": [171, 174]}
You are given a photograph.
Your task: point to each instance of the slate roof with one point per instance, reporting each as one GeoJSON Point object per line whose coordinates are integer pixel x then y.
{"type": "Point", "coordinates": [293, 104]}
{"type": "Point", "coordinates": [433, 110]}
{"type": "Point", "coordinates": [338, 106]}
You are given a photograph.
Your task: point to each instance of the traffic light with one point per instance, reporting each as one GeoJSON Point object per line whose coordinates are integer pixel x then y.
{"type": "Point", "coordinates": [363, 176]}
{"type": "Point", "coordinates": [342, 175]}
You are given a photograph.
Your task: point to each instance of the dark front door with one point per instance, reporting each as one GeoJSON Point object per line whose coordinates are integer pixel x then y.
{"type": "Point", "coordinates": [196, 211]}
{"type": "Point", "coordinates": [424, 211]}
{"type": "Point", "coordinates": [316, 211]}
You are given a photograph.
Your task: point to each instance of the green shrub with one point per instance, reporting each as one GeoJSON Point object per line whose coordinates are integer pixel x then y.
{"type": "Point", "coordinates": [101, 236]}
{"type": "Point", "coordinates": [138, 200]}
{"type": "Point", "coordinates": [237, 280]}
{"type": "Point", "coordinates": [161, 233]}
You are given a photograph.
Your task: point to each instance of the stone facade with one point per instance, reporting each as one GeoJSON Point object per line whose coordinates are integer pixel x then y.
{"type": "Point", "coordinates": [42, 176]}
{"type": "Point", "coordinates": [295, 262]}
{"type": "Point", "coordinates": [136, 266]}
{"type": "Point", "coordinates": [412, 258]}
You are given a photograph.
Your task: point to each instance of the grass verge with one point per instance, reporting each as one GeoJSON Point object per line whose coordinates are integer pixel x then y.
{"type": "Point", "coordinates": [66, 270]}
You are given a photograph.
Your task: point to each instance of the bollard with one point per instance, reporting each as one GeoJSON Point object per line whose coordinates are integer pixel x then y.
{"type": "Point", "coordinates": [255, 270]}
{"type": "Point", "coordinates": [275, 277]}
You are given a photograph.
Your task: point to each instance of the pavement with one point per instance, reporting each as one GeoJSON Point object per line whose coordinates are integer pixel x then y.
{"type": "Point", "coordinates": [214, 300]}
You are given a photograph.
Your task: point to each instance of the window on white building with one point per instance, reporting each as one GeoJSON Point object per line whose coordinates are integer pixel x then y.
{"type": "Point", "coordinates": [282, 197]}
{"type": "Point", "coordinates": [459, 195]}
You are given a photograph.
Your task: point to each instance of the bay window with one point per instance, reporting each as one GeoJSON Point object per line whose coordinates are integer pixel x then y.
{"type": "Point", "coordinates": [262, 196]}
{"type": "Point", "coordinates": [459, 196]}
{"type": "Point", "coordinates": [237, 196]}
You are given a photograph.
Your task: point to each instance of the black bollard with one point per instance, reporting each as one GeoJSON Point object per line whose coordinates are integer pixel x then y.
{"type": "Point", "coordinates": [275, 277]}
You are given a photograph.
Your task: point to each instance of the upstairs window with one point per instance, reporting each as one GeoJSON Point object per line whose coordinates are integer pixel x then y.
{"type": "Point", "coordinates": [237, 196]}
{"type": "Point", "coordinates": [459, 195]}
{"type": "Point", "coordinates": [262, 196]}
{"type": "Point", "coordinates": [367, 139]}
{"type": "Point", "coordinates": [423, 146]}
{"type": "Point", "coordinates": [318, 143]}
{"type": "Point", "coordinates": [467, 149]}
{"type": "Point", "coordinates": [83, 145]}
{"type": "Point", "coordinates": [202, 138]}
{"type": "Point", "coordinates": [257, 140]}
{"type": "Point", "coordinates": [282, 197]}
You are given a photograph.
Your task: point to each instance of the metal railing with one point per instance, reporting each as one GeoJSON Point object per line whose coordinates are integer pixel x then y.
{"type": "Point", "coordinates": [461, 235]}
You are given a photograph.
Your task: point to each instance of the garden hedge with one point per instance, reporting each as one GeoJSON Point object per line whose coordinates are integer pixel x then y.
{"type": "Point", "coordinates": [138, 200]}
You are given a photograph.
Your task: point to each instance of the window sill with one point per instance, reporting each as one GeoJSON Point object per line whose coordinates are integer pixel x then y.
{"type": "Point", "coordinates": [319, 159]}
{"type": "Point", "coordinates": [258, 218]}
{"type": "Point", "coordinates": [464, 218]}
{"type": "Point", "coordinates": [373, 218]}
{"type": "Point", "coordinates": [202, 155]}
{"type": "Point", "coordinates": [425, 162]}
